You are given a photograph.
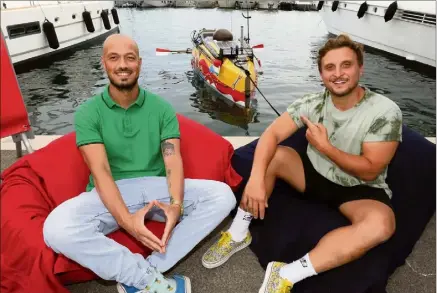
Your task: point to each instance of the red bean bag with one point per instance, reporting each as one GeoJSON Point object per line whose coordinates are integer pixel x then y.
{"type": "Point", "coordinates": [34, 185]}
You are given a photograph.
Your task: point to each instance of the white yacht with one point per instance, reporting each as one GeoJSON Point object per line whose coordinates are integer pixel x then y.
{"type": "Point", "coordinates": [185, 3]}
{"type": "Point", "coordinates": [35, 29]}
{"type": "Point", "coordinates": [245, 4]}
{"type": "Point", "coordinates": [156, 3]}
{"type": "Point", "coordinates": [226, 3]}
{"type": "Point", "coordinates": [267, 4]}
{"type": "Point", "coordinates": [402, 28]}
{"type": "Point", "coordinates": [206, 3]}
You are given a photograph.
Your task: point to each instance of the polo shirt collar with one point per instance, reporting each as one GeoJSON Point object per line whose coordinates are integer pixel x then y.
{"type": "Point", "coordinates": [111, 103]}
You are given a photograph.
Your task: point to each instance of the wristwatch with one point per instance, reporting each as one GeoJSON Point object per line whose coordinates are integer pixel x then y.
{"type": "Point", "coordinates": [179, 203]}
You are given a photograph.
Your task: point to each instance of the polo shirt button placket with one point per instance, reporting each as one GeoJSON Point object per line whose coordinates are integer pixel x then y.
{"type": "Point", "coordinates": [127, 124]}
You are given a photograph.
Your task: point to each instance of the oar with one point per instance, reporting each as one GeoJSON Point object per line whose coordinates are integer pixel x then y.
{"type": "Point", "coordinates": [258, 47]}
{"type": "Point", "coordinates": [162, 52]}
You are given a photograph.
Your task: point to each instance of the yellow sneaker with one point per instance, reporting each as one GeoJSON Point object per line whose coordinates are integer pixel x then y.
{"type": "Point", "coordinates": [223, 249]}
{"type": "Point", "coordinates": [273, 282]}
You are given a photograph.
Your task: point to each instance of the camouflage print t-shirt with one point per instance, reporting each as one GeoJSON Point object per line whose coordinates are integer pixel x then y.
{"type": "Point", "coordinates": [375, 118]}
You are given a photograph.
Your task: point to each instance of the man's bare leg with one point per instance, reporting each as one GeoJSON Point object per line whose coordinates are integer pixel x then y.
{"type": "Point", "coordinates": [285, 164]}
{"type": "Point", "coordinates": [284, 161]}
{"type": "Point", "coordinates": [372, 222]}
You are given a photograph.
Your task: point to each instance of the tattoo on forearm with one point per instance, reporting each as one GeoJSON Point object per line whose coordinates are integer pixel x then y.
{"type": "Point", "coordinates": [167, 148]}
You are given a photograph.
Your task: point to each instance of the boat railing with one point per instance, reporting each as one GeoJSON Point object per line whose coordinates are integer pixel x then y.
{"type": "Point", "coordinates": [235, 52]}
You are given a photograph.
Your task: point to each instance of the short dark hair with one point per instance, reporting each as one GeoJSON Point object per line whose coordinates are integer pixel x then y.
{"type": "Point", "coordinates": [340, 41]}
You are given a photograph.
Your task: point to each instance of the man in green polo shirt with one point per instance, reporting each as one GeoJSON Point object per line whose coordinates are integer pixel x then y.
{"type": "Point", "coordinates": [129, 138]}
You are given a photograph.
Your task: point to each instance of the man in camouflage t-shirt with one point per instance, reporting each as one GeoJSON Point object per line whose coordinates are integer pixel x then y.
{"type": "Point", "coordinates": [352, 134]}
{"type": "Point", "coordinates": [374, 118]}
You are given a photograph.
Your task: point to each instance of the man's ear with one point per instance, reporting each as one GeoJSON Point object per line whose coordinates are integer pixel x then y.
{"type": "Point", "coordinates": [103, 63]}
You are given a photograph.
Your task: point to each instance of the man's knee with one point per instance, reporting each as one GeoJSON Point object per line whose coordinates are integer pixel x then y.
{"type": "Point", "coordinates": [221, 196]}
{"type": "Point", "coordinates": [378, 227]}
{"type": "Point", "coordinates": [55, 229]}
{"type": "Point", "coordinates": [227, 196]}
{"type": "Point", "coordinates": [283, 157]}
{"type": "Point", "coordinates": [277, 160]}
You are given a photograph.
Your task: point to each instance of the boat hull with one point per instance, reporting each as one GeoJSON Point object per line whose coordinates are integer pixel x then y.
{"type": "Point", "coordinates": [185, 3]}
{"type": "Point", "coordinates": [212, 102]}
{"type": "Point", "coordinates": [71, 32]}
{"type": "Point", "coordinates": [226, 4]}
{"type": "Point", "coordinates": [157, 3]}
{"type": "Point", "coordinates": [245, 4]}
{"type": "Point", "coordinates": [206, 4]}
{"type": "Point", "coordinates": [227, 79]}
{"type": "Point", "coordinates": [268, 5]}
{"type": "Point", "coordinates": [371, 30]}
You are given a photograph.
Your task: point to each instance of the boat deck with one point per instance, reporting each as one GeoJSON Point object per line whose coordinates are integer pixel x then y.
{"type": "Point", "coordinates": [242, 273]}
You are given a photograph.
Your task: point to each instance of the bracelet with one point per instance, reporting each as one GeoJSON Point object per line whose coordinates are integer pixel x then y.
{"type": "Point", "coordinates": [173, 202]}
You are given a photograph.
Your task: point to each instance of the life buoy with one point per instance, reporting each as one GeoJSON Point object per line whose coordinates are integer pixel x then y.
{"type": "Point", "coordinates": [363, 9]}
{"type": "Point", "coordinates": [105, 19]}
{"type": "Point", "coordinates": [86, 15]}
{"type": "Point", "coordinates": [334, 5]}
{"type": "Point", "coordinates": [391, 10]}
{"type": "Point", "coordinates": [115, 16]}
{"type": "Point", "coordinates": [320, 5]}
{"type": "Point", "coordinates": [50, 32]}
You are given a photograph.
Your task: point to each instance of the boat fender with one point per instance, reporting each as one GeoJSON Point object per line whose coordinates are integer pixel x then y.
{"type": "Point", "coordinates": [320, 5]}
{"type": "Point", "coordinates": [50, 32]}
{"type": "Point", "coordinates": [105, 19]}
{"type": "Point", "coordinates": [335, 5]}
{"type": "Point", "coordinates": [86, 15]}
{"type": "Point", "coordinates": [362, 10]}
{"type": "Point", "coordinates": [391, 10]}
{"type": "Point", "coordinates": [115, 16]}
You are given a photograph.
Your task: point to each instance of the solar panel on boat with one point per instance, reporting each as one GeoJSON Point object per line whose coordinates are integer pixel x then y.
{"type": "Point", "coordinates": [227, 44]}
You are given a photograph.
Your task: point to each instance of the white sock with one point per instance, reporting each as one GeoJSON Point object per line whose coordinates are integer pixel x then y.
{"type": "Point", "coordinates": [298, 270]}
{"type": "Point", "coordinates": [240, 225]}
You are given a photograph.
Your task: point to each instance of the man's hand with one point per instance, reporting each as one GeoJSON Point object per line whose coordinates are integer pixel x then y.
{"type": "Point", "coordinates": [173, 214]}
{"type": "Point", "coordinates": [254, 198]}
{"type": "Point", "coordinates": [317, 135]}
{"type": "Point", "coordinates": [138, 230]}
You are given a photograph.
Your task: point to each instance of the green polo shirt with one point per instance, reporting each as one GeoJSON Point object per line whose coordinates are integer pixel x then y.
{"type": "Point", "coordinates": [132, 137]}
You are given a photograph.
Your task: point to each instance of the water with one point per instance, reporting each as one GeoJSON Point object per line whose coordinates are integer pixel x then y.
{"type": "Point", "coordinates": [291, 40]}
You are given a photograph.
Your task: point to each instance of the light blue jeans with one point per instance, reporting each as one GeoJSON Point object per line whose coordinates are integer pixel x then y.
{"type": "Point", "coordinates": [77, 227]}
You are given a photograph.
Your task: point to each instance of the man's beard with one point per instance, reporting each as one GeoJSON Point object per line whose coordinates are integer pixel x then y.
{"type": "Point", "coordinates": [124, 87]}
{"type": "Point", "coordinates": [345, 93]}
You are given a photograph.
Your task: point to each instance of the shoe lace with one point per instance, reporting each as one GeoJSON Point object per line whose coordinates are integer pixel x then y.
{"type": "Point", "coordinates": [225, 239]}
{"type": "Point", "coordinates": [285, 287]}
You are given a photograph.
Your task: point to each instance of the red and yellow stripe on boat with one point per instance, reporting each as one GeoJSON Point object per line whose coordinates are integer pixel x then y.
{"type": "Point", "coordinates": [226, 77]}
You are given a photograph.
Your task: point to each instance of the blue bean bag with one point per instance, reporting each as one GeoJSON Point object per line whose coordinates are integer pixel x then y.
{"type": "Point", "coordinates": [293, 225]}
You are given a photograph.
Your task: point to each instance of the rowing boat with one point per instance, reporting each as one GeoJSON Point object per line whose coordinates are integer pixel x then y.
{"type": "Point", "coordinates": [226, 65]}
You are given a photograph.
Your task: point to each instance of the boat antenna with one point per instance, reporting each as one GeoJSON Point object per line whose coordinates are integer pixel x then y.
{"type": "Point", "coordinates": [247, 17]}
